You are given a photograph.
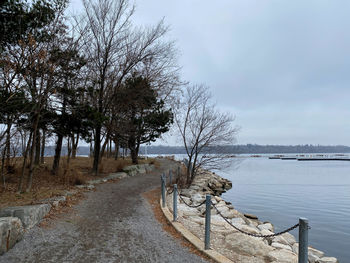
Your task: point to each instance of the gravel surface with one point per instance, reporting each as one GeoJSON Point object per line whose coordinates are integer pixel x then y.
{"type": "Point", "coordinates": [113, 224]}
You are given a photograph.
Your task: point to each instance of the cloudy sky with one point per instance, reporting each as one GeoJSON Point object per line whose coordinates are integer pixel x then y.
{"type": "Point", "coordinates": [282, 67]}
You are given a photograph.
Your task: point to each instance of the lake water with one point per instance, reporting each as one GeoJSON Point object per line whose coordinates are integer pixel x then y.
{"type": "Point", "coordinates": [281, 191]}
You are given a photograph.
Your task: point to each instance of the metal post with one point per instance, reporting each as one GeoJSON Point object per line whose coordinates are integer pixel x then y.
{"type": "Point", "coordinates": [163, 191]}
{"type": "Point", "coordinates": [170, 177]}
{"type": "Point", "coordinates": [303, 240]}
{"type": "Point", "coordinates": [175, 202]}
{"type": "Point", "coordinates": [207, 221]}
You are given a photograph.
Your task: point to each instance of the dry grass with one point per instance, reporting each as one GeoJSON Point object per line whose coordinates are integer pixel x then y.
{"type": "Point", "coordinates": [46, 185]}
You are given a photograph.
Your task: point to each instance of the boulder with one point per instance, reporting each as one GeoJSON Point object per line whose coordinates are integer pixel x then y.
{"type": "Point", "coordinates": [250, 216]}
{"type": "Point", "coordinates": [327, 260]}
{"type": "Point", "coordinates": [289, 238]}
{"type": "Point", "coordinates": [11, 231]}
{"type": "Point", "coordinates": [279, 245]}
{"type": "Point", "coordinates": [283, 256]}
{"type": "Point", "coordinates": [244, 244]}
{"type": "Point", "coordinates": [315, 252]}
{"type": "Point", "coordinates": [116, 176]}
{"type": "Point", "coordinates": [29, 215]}
{"type": "Point", "coordinates": [267, 226]}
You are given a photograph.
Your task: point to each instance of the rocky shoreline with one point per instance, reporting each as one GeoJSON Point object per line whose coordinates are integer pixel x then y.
{"type": "Point", "coordinates": [234, 245]}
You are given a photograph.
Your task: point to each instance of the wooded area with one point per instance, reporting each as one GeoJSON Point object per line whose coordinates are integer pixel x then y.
{"type": "Point", "coordinates": [93, 77]}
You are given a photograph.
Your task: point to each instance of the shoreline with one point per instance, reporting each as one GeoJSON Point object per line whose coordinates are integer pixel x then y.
{"type": "Point", "coordinates": [227, 240]}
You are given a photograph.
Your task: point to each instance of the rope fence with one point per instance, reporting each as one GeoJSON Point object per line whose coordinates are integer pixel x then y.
{"type": "Point", "coordinates": [302, 224]}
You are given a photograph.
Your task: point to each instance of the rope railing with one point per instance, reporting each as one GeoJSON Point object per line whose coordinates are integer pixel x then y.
{"type": "Point", "coordinates": [303, 222]}
{"type": "Point", "coordinates": [252, 234]}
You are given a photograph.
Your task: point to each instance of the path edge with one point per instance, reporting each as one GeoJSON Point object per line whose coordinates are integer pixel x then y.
{"type": "Point", "coordinates": [214, 255]}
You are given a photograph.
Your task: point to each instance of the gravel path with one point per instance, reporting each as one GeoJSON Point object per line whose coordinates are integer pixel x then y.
{"type": "Point", "coordinates": [113, 224]}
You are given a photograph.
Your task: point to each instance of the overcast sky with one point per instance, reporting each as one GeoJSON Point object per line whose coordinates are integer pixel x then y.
{"type": "Point", "coordinates": [282, 67]}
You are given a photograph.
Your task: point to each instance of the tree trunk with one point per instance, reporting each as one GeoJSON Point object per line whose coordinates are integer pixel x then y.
{"type": "Point", "coordinates": [116, 149]}
{"type": "Point", "coordinates": [58, 149]}
{"type": "Point", "coordinates": [37, 148]}
{"type": "Point", "coordinates": [97, 149]}
{"type": "Point", "coordinates": [43, 142]}
{"type": "Point", "coordinates": [105, 144]}
{"type": "Point", "coordinates": [8, 143]}
{"type": "Point", "coordinates": [31, 161]}
{"type": "Point", "coordinates": [2, 169]}
{"type": "Point", "coordinates": [25, 154]}
{"type": "Point", "coordinates": [75, 142]}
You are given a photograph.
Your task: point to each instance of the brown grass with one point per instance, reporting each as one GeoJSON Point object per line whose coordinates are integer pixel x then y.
{"type": "Point", "coordinates": [46, 185]}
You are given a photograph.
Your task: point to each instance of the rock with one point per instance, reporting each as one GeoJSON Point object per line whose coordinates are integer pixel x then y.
{"type": "Point", "coordinates": [315, 252]}
{"type": "Point", "coordinates": [218, 198]}
{"type": "Point", "coordinates": [237, 221]}
{"type": "Point", "coordinates": [267, 226]}
{"type": "Point", "coordinates": [250, 216]}
{"type": "Point", "coordinates": [289, 238]}
{"type": "Point", "coordinates": [266, 232]}
{"type": "Point", "coordinates": [197, 198]}
{"type": "Point", "coordinates": [313, 258]}
{"type": "Point", "coordinates": [131, 170]}
{"type": "Point", "coordinates": [228, 214]}
{"type": "Point", "coordinates": [119, 175]}
{"type": "Point", "coordinates": [280, 239]}
{"type": "Point", "coordinates": [327, 260]}
{"type": "Point", "coordinates": [279, 245]}
{"type": "Point", "coordinates": [244, 244]}
{"type": "Point", "coordinates": [11, 231]}
{"type": "Point", "coordinates": [184, 210]}
{"type": "Point", "coordinates": [283, 256]}
{"type": "Point", "coordinates": [29, 215]}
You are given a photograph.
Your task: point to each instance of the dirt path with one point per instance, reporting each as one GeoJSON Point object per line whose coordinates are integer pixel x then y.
{"type": "Point", "coordinates": [113, 224]}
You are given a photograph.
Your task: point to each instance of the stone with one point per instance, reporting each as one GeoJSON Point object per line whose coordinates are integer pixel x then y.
{"type": "Point", "coordinates": [228, 213]}
{"type": "Point", "coordinates": [244, 244]}
{"type": "Point", "coordinates": [327, 260]}
{"type": "Point", "coordinates": [283, 256]}
{"type": "Point", "coordinates": [315, 252]}
{"type": "Point", "coordinates": [11, 231]}
{"type": "Point", "coordinates": [29, 215]}
{"type": "Point", "coordinates": [237, 221]}
{"type": "Point", "coordinates": [267, 226]}
{"type": "Point", "coordinates": [289, 238]}
{"type": "Point", "coordinates": [280, 239]}
{"type": "Point", "coordinates": [279, 245]}
{"type": "Point", "coordinates": [313, 258]}
{"type": "Point", "coordinates": [197, 198]}
{"type": "Point", "coordinates": [250, 216]}
{"type": "Point", "coordinates": [119, 175]}
{"type": "Point", "coordinates": [184, 210]}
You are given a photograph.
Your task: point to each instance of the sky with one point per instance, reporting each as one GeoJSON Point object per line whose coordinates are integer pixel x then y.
{"type": "Point", "coordinates": [281, 67]}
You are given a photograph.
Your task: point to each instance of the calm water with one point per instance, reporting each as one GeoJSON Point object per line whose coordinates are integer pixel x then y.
{"type": "Point", "coordinates": [281, 191]}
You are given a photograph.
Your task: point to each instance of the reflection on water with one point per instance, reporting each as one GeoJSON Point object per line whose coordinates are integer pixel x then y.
{"type": "Point", "coordinates": [282, 191]}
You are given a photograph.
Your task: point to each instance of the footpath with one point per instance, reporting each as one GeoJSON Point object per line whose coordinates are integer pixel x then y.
{"type": "Point", "coordinates": [112, 224]}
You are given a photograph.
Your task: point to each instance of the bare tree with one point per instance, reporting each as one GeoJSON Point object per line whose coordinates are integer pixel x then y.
{"type": "Point", "coordinates": [203, 130]}
{"type": "Point", "coordinates": [115, 49]}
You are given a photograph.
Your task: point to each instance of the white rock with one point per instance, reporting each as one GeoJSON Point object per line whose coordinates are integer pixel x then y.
{"type": "Point", "coordinates": [315, 252]}
{"type": "Point", "coordinates": [279, 245]}
{"type": "Point", "coordinates": [280, 239]}
{"type": "Point", "coordinates": [237, 221]}
{"type": "Point", "coordinates": [184, 210]}
{"type": "Point", "coordinates": [267, 226]}
{"type": "Point", "coordinates": [197, 198]}
{"type": "Point", "coordinates": [247, 245]}
{"type": "Point", "coordinates": [312, 258]}
{"type": "Point", "coordinates": [289, 238]}
{"type": "Point", "coordinates": [283, 256]}
{"type": "Point", "coordinates": [327, 260]}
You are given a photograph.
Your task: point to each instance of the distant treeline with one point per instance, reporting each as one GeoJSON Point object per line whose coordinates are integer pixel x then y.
{"type": "Point", "coordinates": [252, 148]}
{"type": "Point", "coordinates": [231, 149]}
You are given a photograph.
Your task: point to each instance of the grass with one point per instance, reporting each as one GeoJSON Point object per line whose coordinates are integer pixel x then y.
{"type": "Point", "coordinates": [46, 185]}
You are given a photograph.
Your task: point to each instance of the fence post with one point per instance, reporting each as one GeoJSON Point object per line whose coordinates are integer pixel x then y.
{"type": "Point", "coordinates": [303, 240]}
{"type": "Point", "coordinates": [175, 202]}
{"type": "Point", "coordinates": [163, 190]}
{"type": "Point", "coordinates": [170, 177]}
{"type": "Point", "coordinates": [207, 221]}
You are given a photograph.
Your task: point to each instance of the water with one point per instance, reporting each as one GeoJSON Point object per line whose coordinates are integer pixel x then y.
{"type": "Point", "coordinates": [281, 191]}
